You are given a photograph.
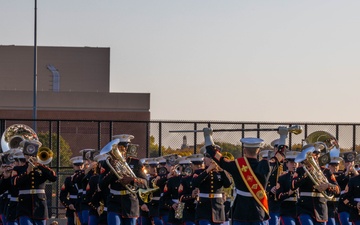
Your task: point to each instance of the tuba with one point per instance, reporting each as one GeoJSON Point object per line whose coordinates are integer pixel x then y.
{"type": "Point", "coordinates": [15, 134]}
{"type": "Point", "coordinates": [319, 140]}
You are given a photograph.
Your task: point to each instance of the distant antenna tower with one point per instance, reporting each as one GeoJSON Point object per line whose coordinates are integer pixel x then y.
{"type": "Point", "coordinates": [56, 78]}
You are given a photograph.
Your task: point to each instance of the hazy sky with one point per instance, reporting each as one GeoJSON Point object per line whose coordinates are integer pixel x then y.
{"type": "Point", "coordinates": [230, 60]}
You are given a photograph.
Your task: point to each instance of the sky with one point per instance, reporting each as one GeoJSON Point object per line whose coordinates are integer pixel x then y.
{"type": "Point", "coordinates": [230, 60]}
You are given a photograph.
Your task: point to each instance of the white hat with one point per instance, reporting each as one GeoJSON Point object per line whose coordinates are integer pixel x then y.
{"type": "Point", "coordinates": [196, 158]}
{"type": "Point", "coordinates": [16, 153]}
{"type": "Point", "coordinates": [265, 153]}
{"type": "Point", "coordinates": [291, 155]}
{"type": "Point", "coordinates": [161, 160]}
{"type": "Point", "coordinates": [99, 157]}
{"type": "Point", "coordinates": [252, 142]}
{"type": "Point", "coordinates": [124, 137]}
{"type": "Point", "coordinates": [335, 160]}
{"type": "Point", "coordinates": [171, 159]}
{"type": "Point", "coordinates": [275, 142]}
{"type": "Point", "coordinates": [152, 161]}
{"type": "Point", "coordinates": [77, 159]}
{"type": "Point", "coordinates": [143, 160]}
{"type": "Point", "coordinates": [34, 142]}
{"type": "Point", "coordinates": [184, 160]}
{"type": "Point", "coordinates": [86, 150]}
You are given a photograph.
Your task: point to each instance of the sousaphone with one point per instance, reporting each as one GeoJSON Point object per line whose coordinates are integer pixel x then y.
{"type": "Point", "coordinates": [15, 134]}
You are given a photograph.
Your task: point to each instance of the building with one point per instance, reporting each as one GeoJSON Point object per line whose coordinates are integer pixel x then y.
{"type": "Point", "coordinates": [73, 83]}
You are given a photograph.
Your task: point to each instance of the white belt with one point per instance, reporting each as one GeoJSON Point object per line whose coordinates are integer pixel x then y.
{"type": "Point", "coordinates": [357, 199]}
{"type": "Point", "coordinates": [342, 192]}
{"type": "Point", "coordinates": [155, 198]}
{"type": "Point", "coordinates": [210, 195]}
{"type": "Point", "coordinates": [311, 194]}
{"type": "Point", "coordinates": [14, 199]}
{"type": "Point", "coordinates": [105, 209]}
{"type": "Point", "coordinates": [122, 192]}
{"type": "Point", "coordinates": [243, 193]}
{"type": "Point", "coordinates": [161, 194]}
{"type": "Point", "coordinates": [73, 196]}
{"type": "Point", "coordinates": [80, 190]}
{"type": "Point", "coordinates": [291, 199]}
{"type": "Point", "coordinates": [175, 200]}
{"type": "Point", "coordinates": [31, 191]}
{"type": "Point", "coordinates": [84, 192]}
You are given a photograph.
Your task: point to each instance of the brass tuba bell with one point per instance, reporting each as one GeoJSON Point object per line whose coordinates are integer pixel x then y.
{"type": "Point", "coordinates": [323, 140]}
{"type": "Point", "coordinates": [15, 134]}
{"type": "Point", "coordinates": [317, 141]}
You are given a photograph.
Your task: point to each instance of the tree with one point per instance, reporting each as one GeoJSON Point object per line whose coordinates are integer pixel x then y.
{"type": "Point", "coordinates": [235, 150]}
{"type": "Point", "coordinates": [65, 151]}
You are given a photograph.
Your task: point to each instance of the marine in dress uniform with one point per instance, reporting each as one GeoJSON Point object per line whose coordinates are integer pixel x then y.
{"type": "Point", "coordinates": [211, 181]}
{"type": "Point", "coordinates": [123, 204]}
{"type": "Point", "coordinates": [250, 205]}
{"type": "Point", "coordinates": [69, 193]}
{"type": "Point", "coordinates": [92, 189]}
{"type": "Point", "coordinates": [149, 212]}
{"type": "Point", "coordinates": [19, 168]}
{"type": "Point", "coordinates": [343, 178]}
{"type": "Point", "coordinates": [165, 172]}
{"type": "Point", "coordinates": [285, 195]}
{"type": "Point", "coordinates": [274, 204]}
{"type": "Point", "coordinates": [188, 193]}
{"type": "Point", "coordinates": [99, 199]}
{"type": "Point", "coordinates": [32, 207]}
{"type": "Point", "coordinates": [82, 179]}
{"type": "Point", "coordinates": [171, 192]}
{"type": "Point", "coordinates": [7, 164]}
{"type": "Point", "coordinates": [351, 198]}
{"type": "Point", "coordinates": [5, 174]}
{"type": "Point", "coordinates": [311, 205]}
{"type": "Point", "coordinates": [332, 204]}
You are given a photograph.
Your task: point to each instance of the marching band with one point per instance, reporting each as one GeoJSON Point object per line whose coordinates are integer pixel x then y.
{"type": "Point", "coordinates": [108, 186]}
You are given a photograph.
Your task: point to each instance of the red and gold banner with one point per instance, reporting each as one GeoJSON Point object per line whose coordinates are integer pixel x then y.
{"type": "Point", "coordinates": [254, 186]}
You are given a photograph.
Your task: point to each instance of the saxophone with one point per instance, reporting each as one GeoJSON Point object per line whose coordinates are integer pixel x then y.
{"type": "Point", "coordinates": [179, 210]}
{"type": "Point", "coordinates": [101, 207]}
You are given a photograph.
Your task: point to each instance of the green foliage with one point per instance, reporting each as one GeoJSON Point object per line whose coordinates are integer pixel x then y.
{"type": "Point", "coordinates": [154, 148]}
{"type": "Point", "coordinates": [65, 151]}
{"type": "Point", "coordinates": [235, 150]}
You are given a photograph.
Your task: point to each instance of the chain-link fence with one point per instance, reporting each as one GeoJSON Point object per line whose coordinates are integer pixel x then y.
{"type": "Point", "coordinates": [67, 138]}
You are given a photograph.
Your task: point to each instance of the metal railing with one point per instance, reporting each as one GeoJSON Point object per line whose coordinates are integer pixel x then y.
{"type": "Point", "coordinates": [154, 136]}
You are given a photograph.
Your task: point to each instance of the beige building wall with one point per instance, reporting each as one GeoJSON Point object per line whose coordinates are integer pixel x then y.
{"type": "Point", "coordinates": [81, 69]}
{"type": "Point", "coordinates": [83, 92]}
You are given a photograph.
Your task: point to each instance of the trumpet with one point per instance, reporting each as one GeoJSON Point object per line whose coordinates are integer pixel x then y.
{"type": "Point", "coordinates": [44, 156]}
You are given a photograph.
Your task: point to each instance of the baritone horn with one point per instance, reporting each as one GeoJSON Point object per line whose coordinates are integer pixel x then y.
{"type": "Point", "coordinates": [118, 165]}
